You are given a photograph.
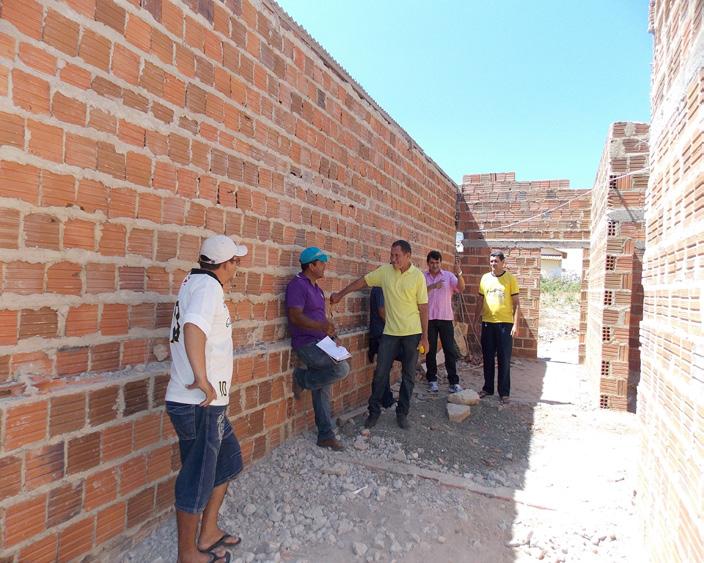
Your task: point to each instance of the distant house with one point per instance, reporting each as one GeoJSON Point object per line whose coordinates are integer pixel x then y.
{"type": "Point", "coordinates": [551, 262]}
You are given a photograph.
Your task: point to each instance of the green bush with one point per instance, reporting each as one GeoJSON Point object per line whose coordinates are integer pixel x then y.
{"type": "Point", "coordinates": [560, 290]}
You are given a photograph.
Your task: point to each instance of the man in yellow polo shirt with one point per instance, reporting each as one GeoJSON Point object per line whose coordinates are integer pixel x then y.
{"type": "Point", "coordinates": [497, 309]}
{"type": "Point", "coordinates": [406, 328]}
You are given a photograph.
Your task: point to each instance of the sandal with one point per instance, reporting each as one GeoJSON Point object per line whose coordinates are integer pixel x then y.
{"type": "Point", "coordinates": [215, 559]}
{"type": "Point", "coordinates": [483, 394]}
{"type": "Point", "coordinates": [222, 542]}
{"type": "Point", "coordinates": [504, 400]}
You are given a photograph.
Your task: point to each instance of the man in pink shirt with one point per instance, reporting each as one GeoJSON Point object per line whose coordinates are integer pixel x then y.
{"type": "Point", "coordinates": [441, 285]}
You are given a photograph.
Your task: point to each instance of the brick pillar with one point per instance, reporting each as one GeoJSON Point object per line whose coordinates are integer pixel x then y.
{"type": "Point", "coordinates": [617, 241]}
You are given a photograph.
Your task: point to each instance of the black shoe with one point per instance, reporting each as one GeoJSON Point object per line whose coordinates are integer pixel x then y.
{"type": "Point", "coordinates": [371, 421]}
{"type": "Point", "coordinates": [402, 421]}
{"type": "Point", "coordinates": [332, 444]}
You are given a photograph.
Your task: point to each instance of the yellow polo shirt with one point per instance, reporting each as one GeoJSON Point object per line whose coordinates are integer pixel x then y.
{"type": "Point", "coordinates": [498, 295]}
{"type": "Point", "coordinates": [403, 292]}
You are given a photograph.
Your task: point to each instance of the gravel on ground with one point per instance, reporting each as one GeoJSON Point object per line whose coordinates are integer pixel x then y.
{"type": "Point", "coordinates": [548, 477]}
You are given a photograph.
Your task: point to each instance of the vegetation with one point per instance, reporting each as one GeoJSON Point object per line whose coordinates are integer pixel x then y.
{"type": "Point", "coordinates": [560, 291]}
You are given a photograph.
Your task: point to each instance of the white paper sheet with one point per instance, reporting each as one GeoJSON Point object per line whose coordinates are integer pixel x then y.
{"type": "Point", "coordinates": [337, 353]}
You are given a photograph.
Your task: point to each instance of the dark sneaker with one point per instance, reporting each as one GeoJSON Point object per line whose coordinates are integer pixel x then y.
{"type": "Point", "coordinates": [371, 421]}
{"type": "Point", "coordinates": [402, 421]}
{"type": "Point", "coordinates": [331, 444]}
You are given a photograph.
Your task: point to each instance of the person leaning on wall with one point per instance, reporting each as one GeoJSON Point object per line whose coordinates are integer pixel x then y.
{"type": "Point", "coordinates": [196, 401]}
{"type": "Point", "coordinates": [308, 324]}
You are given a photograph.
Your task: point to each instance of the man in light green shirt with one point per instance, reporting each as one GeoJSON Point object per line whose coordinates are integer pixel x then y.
{"type": "Point", "coordinates": [406, 328]}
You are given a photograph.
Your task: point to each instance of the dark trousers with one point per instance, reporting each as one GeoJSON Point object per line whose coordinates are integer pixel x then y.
{"type": "Point", "coordinates": [446, 330]}
{"type": "Point", "coordinates": [387, 399]}
{"type": "Point", "coordinates": [389, 348]}
{"type": "Point", "coordinates": [496, 343]}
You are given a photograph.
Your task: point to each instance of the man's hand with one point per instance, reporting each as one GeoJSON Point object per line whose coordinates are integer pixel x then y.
{"type": "Point", "coordinates": [205, 386]}
{"type": "Point", "coordinates": [424, 344]}
{"type": "Point", "coordinates": [335, 298]}
{"type": "Point", "coordinates": [329, 327]}
{"type": "Point", "coordinates": [458, 269]}
{"type": "Point", "coordinates": [514, 330]}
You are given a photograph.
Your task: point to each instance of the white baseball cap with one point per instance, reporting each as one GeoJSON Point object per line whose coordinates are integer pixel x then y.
{"type": "Point", "coordinates": [220, 248]}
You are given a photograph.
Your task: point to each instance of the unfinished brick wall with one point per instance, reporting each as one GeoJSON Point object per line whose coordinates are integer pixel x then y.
{"type": "Point", "coordinates": [671, 390]}
{"type": "Point", "coordinates": [128, 132]}
{"type": "Point", "coordinates": [497, 212]}
{"type": "Point", "coordinates": [616, 256]}
{"type": "Point", "coordinates": [583, 308]}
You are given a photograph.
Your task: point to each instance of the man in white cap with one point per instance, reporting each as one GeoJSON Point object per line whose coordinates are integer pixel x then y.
{"type": "Point", "coordinates": [196, 401]}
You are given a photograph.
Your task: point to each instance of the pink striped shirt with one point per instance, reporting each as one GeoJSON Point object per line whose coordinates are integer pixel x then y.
{"type": "Point", "coordinates": [440, 299]}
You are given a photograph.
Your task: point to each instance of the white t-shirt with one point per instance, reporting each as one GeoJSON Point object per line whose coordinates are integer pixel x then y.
{"type": "Point", "coordinates": [201, 301]}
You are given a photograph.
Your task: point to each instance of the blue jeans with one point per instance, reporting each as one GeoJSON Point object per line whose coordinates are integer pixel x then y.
{"type": "Point", "coordinates": [210, 453]}
{"type": "Point", "coordinates": [497, 343]}
{"type": "Point", "coordinates": [320, 373]}
{"type": "Point", "coordinates": [390, 347]}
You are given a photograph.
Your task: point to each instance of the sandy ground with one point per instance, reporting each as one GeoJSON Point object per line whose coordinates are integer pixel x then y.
{"type": "Point", "coordinates": [548, 477]}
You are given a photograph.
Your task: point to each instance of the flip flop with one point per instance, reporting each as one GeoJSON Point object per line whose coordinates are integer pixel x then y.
{"type": "Point", "coordinates": [214, 558]}
{"type": "Point", "coordinates": [223, 543]}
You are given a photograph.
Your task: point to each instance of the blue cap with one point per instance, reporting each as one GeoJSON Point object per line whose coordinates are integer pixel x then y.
{"type": "Point", "coordinates": [311, 254]}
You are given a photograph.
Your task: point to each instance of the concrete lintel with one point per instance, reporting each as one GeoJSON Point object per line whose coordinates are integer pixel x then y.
{"type": "Point", "coordinates": [532, 243]}
{"type": "Point", "coordinates": [626, 214]}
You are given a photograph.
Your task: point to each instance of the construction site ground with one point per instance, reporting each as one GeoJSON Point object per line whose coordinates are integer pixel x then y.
{"type": "Point", "coordinates": [548, 477]}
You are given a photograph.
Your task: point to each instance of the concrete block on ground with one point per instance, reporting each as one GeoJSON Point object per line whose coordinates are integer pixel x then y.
{"type": "Point", "coordinates": [457, 413]}
{"type": "Point", "coordinates": [466, 397]}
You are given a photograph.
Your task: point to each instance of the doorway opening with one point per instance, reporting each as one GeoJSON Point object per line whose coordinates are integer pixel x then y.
{"type": "Point", "coordinates": [560, 288]}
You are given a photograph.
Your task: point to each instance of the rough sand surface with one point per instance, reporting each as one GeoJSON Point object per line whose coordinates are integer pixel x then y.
{"type": "Point", "coordinates": [548, 477]}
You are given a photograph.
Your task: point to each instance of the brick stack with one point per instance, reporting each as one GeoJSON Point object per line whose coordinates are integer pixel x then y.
{"type": "Point", "coordinates": [128, 132]}
{"type": "Point", "coordinates": [671, 389]}
{"type": "Point", "coordinates": [497, 212]}
{"type": "Point", "coordinates": [616, 257]}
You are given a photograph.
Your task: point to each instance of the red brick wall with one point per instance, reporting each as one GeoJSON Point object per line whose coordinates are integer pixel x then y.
{"type": "Point", "coordinates": [616, 256]}
{"type": "Point", "coordinates": [497, 212]}
{"type": "Point", "coordinates": [128, 132]}
{"type": "Point", "coordinates": [671, 390]}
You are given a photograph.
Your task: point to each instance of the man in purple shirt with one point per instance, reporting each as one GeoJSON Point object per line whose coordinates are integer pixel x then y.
{"type": "Point", "coordinates": [308, 324]}
{"type": "Point", "coordinates": [441, 285]}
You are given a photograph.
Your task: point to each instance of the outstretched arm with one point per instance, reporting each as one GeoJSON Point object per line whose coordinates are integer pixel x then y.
{"type": "Point", "coordinates": [356, 285]}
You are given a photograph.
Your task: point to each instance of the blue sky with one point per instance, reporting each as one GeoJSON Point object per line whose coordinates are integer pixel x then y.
{"type": "Point", "coordinates": [496, 85]}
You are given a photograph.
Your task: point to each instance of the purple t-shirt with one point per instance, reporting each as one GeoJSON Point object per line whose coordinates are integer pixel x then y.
{"type": "Point", "coordinates": [303, 294]}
